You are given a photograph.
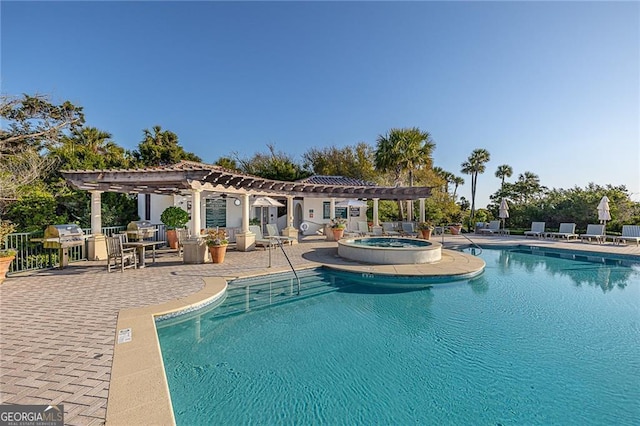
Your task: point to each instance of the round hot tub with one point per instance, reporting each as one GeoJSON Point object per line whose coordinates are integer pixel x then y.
{"type": "Point", "coordinates": [390, 250]}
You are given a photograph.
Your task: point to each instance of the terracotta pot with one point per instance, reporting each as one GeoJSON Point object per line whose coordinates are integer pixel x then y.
{"type": "Point", "coordinates": [5, 262]}
{"type": "Point", "coordinates": [172, 238]}
{"type": "Point", "coordinates": [338, 233]}
{"type": "Point", "coordinates": [217, 253]}
{"type": "Point", "coordinates": [426, 233]}
{"type": "Point", "coordinates": [455, 229]}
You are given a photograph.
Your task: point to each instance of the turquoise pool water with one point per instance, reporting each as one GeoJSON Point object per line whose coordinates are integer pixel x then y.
{"type": "Point", "coordinates": [547, 338]}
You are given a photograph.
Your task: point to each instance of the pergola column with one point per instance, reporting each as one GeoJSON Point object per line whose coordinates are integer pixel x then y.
{"type": "Point", "coordinates": [376, 221]}
{"type": "Point", "coordinates": [290, 231]}
{"type": "Point", "coordinates": [422, 218]}
{"type": "Point", "coordinates": [245, 240]}
{"type": "Point", "coordinates": [196, 222]}
{"type": "Point", "coordinates": [97, 247]}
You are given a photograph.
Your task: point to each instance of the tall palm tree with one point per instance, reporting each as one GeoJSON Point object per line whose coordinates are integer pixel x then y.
{"type": "Point", "coordinates": [528, 186]}
{"type": "Point", "coordinates": [474, 166]}
{"type": "Point", "coordinates": [403, 150]}
{"type": "Point", "coordinates": [503, 171]}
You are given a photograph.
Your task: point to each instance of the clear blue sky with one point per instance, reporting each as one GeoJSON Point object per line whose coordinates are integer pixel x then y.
{"type": "Point", "coordinates": [547, 87]}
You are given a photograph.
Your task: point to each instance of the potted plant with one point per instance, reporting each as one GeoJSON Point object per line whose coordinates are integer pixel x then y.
{"type": "Point", "coordinates": [338, 225]}
{"type": "Point", "coordinates": [174, 217]}
{"type": "Point", "coordinates": [6, 255]}
{"type": "Point", "coordinates": [217, 242]}
{"type": "Point", "coordinates": [425, 229]}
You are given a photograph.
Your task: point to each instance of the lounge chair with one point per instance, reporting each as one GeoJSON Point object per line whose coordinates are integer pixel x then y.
{"type": "Point", "coordinates": [260, 239]}
{"type": "Point", "coordinates": [272, 231]}
{"type": "Point", "coordinates": [408, 230]}
{"type": "Point", "coordinates": [493, 228]}
{"type": "Point", "coordinates": [537, 230]}
{"type": "Point", "coordinates": [567, 230]}
{"type": "Point", "coordinates": [594, 231]}
{"type": "Point", "coordinates": [388, 228]}
{"type": "Point", "coordinates": [629, 233]}
{"type": "Point", "coordinates": [363, 228]}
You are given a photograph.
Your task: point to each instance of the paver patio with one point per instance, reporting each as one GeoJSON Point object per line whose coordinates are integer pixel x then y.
{"type": "Point", "coordinates": [58, 327]}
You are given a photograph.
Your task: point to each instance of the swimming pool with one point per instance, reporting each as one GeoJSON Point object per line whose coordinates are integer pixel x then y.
{"type": "Point", "coordinates": [539, 338]}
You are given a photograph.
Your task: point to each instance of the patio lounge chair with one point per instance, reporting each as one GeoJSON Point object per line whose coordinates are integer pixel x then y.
{"type": "Point", "coordinates": [629, 233]}
{"type": "Point", "coordinates": [272, 231]}
{"type": "Point", "coordinates": [388, 228]}
{"type": "Point", "coordinates": [594, 231]}
{"type": "Point", "coordinates": [260, 239]}
{"type": "Point", "coordinates": [126, 257]}
{"type": "Point", "coordinates": [408, 230]}
{"type": "Point", "coordinates": [537, 230]}
{"type": "Point", "coordinates": [363, 229]}
{"type": "Point", "coordinates": [567, 230]}
{"type": "Point", "coordinates": [494, 228]}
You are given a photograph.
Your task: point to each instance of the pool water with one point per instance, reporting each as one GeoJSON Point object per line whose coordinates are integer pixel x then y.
{"type": "Point", "coordinates": [536, 339]}
{"type": "Point", "coordinates": [390, 242]}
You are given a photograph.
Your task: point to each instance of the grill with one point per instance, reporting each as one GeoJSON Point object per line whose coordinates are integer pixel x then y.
{"type": "Point", "coordinates": [140, 230]}
{"type": "Point", "coordinates": [63, 237]}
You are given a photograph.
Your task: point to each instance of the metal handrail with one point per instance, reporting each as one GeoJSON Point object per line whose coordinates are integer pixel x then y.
{"type": "Point", "coordinates": [279, 242]}
{"type": "Point", "coordinates": [468, 239]}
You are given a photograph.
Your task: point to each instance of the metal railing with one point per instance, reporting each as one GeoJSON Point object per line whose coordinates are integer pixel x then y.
{"type": "Point", "coordinates": [473, 243]}
{"type": "Point", "coordinates": [32, 256]}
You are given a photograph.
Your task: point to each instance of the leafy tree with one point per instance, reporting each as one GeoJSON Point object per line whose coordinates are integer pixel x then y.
{"type": "Point", "coordinates": [161, 148]}
{"type": "Point", "coordinates": [228, 163]}
{"type": "Point", "coordinates": [34, 211]}
{"type": "Point", "coordinates": [474, 166]}
{"type": "Point", "coordinates": [273, 165]}
{"type": "Point", "coordinates": [351, 161]}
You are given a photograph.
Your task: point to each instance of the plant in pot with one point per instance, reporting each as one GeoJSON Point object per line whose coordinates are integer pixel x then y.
{"type": "Point", "coordinates": [456, 226]}
{"type": "Point", "coordinates": [338, 225]}
{"type": "Point", "coordinates": [6, 255]}
{"type": "Point", "coordinates": [217, 242]}
{"type": "Point", "coordinates": [425, 229]}
{"type": "Point", "coordinates": [174, 217]}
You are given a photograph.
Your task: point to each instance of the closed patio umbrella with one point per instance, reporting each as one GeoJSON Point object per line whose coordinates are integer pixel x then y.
{"type": "Point", "coordinates": [503, 213]}
{"type": "Point", "coordinates": [265, 202]}
{"type": "Point", "coordinates": [603, 211]}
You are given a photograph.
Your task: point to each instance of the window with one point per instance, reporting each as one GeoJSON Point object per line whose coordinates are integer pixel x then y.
{"type": "Point", "coordinates": [326, 211]}
{"type": "Point", "coordinates": [215, 213]}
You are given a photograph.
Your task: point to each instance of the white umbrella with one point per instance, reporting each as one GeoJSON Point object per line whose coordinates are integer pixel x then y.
{"type": "Point", "coordinates": [603, 210]}
{"type": "Point", "coordinates": [351, 203]}
{"type": "Point", "coordinates": [503, 213]}
{"type": "Point", "coordinates": [265, 202]}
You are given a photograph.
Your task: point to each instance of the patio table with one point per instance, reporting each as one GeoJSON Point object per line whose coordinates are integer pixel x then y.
{"type": "Point", "coordinates": [141, 246]}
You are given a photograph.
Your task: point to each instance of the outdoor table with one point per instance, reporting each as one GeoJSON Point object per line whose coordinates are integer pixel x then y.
{"type": "Point", "coordinates": [141, 246]}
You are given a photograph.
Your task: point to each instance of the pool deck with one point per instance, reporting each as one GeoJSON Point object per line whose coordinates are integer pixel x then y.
{"type": "Point", "coordinates": [59, 328]}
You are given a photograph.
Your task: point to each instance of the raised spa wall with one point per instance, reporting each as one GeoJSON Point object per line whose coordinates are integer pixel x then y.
{"type": "Point", "coordinates": [389, 255]}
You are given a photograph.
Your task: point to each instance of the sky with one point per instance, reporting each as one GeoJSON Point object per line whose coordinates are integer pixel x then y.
{"type": "Point", "coordinates": [551, 88]}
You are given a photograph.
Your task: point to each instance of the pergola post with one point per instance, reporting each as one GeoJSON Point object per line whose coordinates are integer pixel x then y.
{"type": "Point", "coordinates": [97, 244]}
{"type": "Point", "coordinates": [196, 222]}
{"type": "Point", "coordinates": [290, 231]}
{"type": "Point", "coordinates": [422, 217]}
{"type": "Point", "coordinates": [376, 228]}
{"type": "Point", "coordinates": [327, 227]}
{"type": "Point", "coordinates": [245, 240]}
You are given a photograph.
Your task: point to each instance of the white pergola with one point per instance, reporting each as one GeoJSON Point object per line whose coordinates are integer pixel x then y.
{"type": "Point", "coordinates": [188, 177]}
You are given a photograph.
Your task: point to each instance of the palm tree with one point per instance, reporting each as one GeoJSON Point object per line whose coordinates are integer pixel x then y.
{"type": "Point", "coordinates": [457, 181]}
{"type": "Point", "coordinates": [503, 171]}
{"type": "Point", "coordinates": [403, 150]}
{"type": "Point", "coordinates": [474, 166]}
{"type": "Point", "coordinates": [528, 185]}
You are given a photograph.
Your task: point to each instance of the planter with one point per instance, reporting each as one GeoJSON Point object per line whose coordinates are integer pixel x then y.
{"type": "Point", "coordinates": [338, 233]}
{"type": "Point", "coordinates": [172, 238]}
{"type": "Point", "coordinates": [217, 253]}
{"type": "Point", "coordinates": [5, 262]}
{"type": "Point", "coordinates": [455, 229]}
{"type": "Point", "coordinates": [426, 233]}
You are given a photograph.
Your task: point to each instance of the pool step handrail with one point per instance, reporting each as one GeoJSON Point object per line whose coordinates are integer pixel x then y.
{"type": "Point", "coordinates": [279, 242]}
{"type": "Point", "coordinates": [468, 239]}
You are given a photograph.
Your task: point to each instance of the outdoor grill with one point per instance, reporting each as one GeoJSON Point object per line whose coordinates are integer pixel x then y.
{"type": "Point", "coordinates": [63, 237]}
{"type": "Point", "coordinates": [140, 230]}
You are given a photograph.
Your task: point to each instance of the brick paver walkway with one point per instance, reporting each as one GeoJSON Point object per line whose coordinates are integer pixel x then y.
{"type": "Point", "coordinates": [58, 326]}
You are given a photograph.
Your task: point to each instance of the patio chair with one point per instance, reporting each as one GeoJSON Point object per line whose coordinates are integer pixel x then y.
{"type": "Point", "coordinates": [183, 235]}
{"type": "Point", "coordinates": [388, 228]}
{"type": "Point", "coordinates": [537, 230]}
{"type": "Point", "coordinates": [363, 229]}
{"type": "Point", "coordinates": [567, 230]}
{"type": "Point", "coordinates": [493, 228]}
{"type": "Point", "coordinates": [593, 231]}
{"type": "Point", "coordinates": [629, 233]}
{"type": "Point", "coordinates": [261, 241]}
{"type": "Point", "coordinates": [407, 229]}
{"type": "Point", "coordinates": [272, 231]}
{"type": "Point", "coordinates": [126, 257]}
